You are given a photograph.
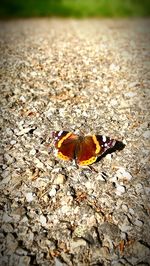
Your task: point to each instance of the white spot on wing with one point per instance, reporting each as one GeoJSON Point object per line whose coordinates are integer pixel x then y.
{"type": "Point", "coordinates": [60, 133]}
{"type": "Point", "coordinates": [104, 138]}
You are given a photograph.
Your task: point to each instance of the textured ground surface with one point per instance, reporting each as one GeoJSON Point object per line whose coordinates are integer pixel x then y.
{"type": "Point", "coordinates": [86, 75]}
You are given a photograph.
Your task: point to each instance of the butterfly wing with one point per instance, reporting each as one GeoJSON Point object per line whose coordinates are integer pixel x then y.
{"type": "Point", "coordinates": [105, 143]}
{"type": "Point", "coordinates": [65, 144]}
{"type": "Point", "coordinates": [85, 153]}
{"type": "Point", "coordinates": [90, 147]}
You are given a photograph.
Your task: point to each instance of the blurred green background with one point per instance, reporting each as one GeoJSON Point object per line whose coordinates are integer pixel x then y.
{"type": "Point", "coordinates": [74, 8]}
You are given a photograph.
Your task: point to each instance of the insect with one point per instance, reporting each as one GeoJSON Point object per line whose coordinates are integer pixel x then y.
{"type": "Point", "coordinates": [83, 149]}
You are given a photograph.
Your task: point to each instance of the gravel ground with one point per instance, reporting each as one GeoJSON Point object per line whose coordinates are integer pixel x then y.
{"type": "Point", "coordinates": [87, 75]}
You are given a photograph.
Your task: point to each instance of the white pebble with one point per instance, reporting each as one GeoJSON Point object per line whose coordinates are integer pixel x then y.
{"type": "Point", "coordinates": [22, 98]}
{"type": "Point", "coordinates": [108, 157]}
{"type": "Point", "coordinates": [133, 84]}
{"type": "Point", "coordinates": [123, 174]}
{"type": "Point", "coordinates": [32, 152]}
{"type": "Point", "coordinates": [7, 218]}
{"type": "Point", "coordinates": [139, 188]}
{"type": "Point", "coordinates": [8, 158]}
{"type": "Point", "coordinates": [24, 261]}
{"type": "Point", "coordinates": [113, 179]}
{"type": "Point", "coordinates": [78, 243]}
{"type": "Point", "coordinates": [29, 196]}
{"type": "Point", "coordinates": [60, 179]}
{"type": "Point", "coordinates": [130, 94]}
{"type": "Point", "coordinates": [106, 89]}
{"type": "Point", "coordinates": [125, 228]}
{"type": "Point", "coordinates": [42, 220]}
{"type": "Point", "coordinates": [6, 175]}
{"type": "Point", "coordinates": [138, 223]}
{"type": "Point", "coordinates": [33, 74]}
{"type": "Point", "coordinates": [58, 262]}
{"type": "Point", "coordinates": [124, 207]}
{"type": "Point", "coordinates": [101, 177]}
{"type": "Point", "coordinates": [114, 67]}
{"type": "Point", "coordinates": [131, 211]}
{"type": "Point", "coordinates": [146, 134]}
{"type": "Point", "coordinates": [120, 189]}
{"type": "Point", "coordinates": [13, 142]}
{"type": "Point", "coordinates": [5, 180]}
{"type": "Point", "coordinates": [113, 102]}
{"type": "Point", "coordinates": [38, 163]}
{"type": "Point", "coordinates": [52, 192]}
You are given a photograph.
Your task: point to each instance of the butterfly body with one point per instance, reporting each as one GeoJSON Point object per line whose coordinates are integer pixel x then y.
{"type": "Point", "coordinates": [83, 149]}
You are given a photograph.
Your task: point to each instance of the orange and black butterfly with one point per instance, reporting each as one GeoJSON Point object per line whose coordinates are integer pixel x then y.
{"type": "Point", "coordinates": [84, 150]}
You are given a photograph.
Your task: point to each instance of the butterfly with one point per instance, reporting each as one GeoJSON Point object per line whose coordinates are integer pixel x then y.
{"type": "Point", "coordinates": [83, 149]}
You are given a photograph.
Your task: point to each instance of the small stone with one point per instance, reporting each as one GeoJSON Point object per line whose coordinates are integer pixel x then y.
{"type": "Point", "coordinates": [5, 180]}
{"type": "Point", "coordinates": [114, 67]}
{"type": "Point", "coordinates": [41, 182]}
{"type": "Point", "coordinates": [94, 70]}
{"type": "Point", "coordinates": [52, 192]}
{"type": "Point", "coordinates": [38, 132]}
{"type": "Point", "coordinates": [125, 228]}
{"type": "Point", "coordinates": [124, 208]}
{"type": "Point", "coordinates": [29, 196]}
{"type": "Point", "coordinates": [113, 179]}
{"type": "Point", "coordinates": [108, 157]}
{"type": "Point", "coordinates": [7, 218]}
{"type": "Point", "coordinates": [7, 227]}
{"type": "Point", "coordinates": [21, 251]}
{"type": "Point", "coordinates": [146, 134]}
{"type": "Point", "coordinates": [24, 261]}
{"type": "Point", "coordinates": [32, 152]}
{"type": "Point", "coordinates": [33, 74]}
{"type": "Point", "coordinates": [4, 166]}
{"type": "Point", "coordinates": [16, 217]}
{"type": "Point", "coordinates": [38, 163]}
{"type": "Point", "coordinates": [131, 211]}
{"type": "Point", "coordinates": [30, 236]}
{"type": "Point", "coordinates": [113, 102]}
{"type": "Point", "coordinates": [58, 262]}
{"type": "Point", "coordinates": [130, 94]}
{"type": "Point", "coordinates": [106, 89]}
{"type": "Point", "coordinates": [139, 188]}
{"type": "Point", "coordinates": [60, 179]}
{"type": "Point", "coordinates": [76, 244]}
{"type": "Point", "coordinates": [79, 231]}
{"type": "Point", "coordinates": [22, 98]}
{"type": "Point", "coordinates": [42, 220]}
{"type": "Point", "coordinates": [138, 223]}
{"type": "Point", "coordinates": [5, 174]}
{"type": "Point", "coordinates": [137, 253]}
{"type": "Point", "coordinates": [24, 220]}
{"type": "Point", "coordinates": [8, 158]}
{"type": "Point", "coordinates": [133, 84]}
{"type": "Point", "coordinates": [120, 190]}
{"type": "Point", "coordinates": [11, 244]}
{"type": "Point", "coordinates": [13, 142]}
{"type": "Point", "coordinates": [123, 174]}
{"type": "Point", "coordinates": [9, 132]}
{"type": "Point", "coordinates": [65, 209]}
{"type": "Point", "coordinates": [101, 177]}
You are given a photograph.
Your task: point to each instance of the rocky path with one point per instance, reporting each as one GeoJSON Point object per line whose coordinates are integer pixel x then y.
{"type": "Point", "coordinates": [87, 75]}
